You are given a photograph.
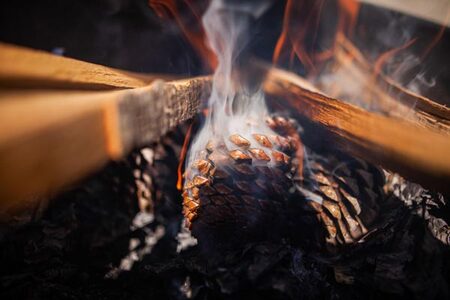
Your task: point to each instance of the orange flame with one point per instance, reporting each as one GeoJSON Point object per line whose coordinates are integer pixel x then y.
{"type": "Point", "coordinates": [386, 56]}
{"type": "Point", "coordinates": [282, 40]}
{"type": "Point", "coordinates": [182, 157]}
{"type": "Point", "coordinates": [348, 15]}
{"type": "Point", "coordinates": [195, 36]}
{"type": "Point", "coordinates": [299, 17]}
{"type": "Point", "coordinates": [303, 17]}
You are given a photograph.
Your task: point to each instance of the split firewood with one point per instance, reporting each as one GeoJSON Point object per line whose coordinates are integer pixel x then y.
{"type": "Point", "coordinates": [51, 138]}
{"type": "Point", "coordinates": [418, 153]}
{"type": "Point", "coordinates": [377, 91]}
{"type": "Point", "coordinates": [22, 67]}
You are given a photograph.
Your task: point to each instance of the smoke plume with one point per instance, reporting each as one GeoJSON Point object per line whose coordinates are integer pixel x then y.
{"type": "Point", "coordinates": [236, 104]}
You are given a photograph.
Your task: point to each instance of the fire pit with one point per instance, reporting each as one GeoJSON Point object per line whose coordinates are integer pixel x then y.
{"type": "Point", "coordinates": [324, 174]}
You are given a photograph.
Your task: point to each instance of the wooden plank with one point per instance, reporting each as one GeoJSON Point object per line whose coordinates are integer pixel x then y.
{"type": "Point", "coordinates": [22, 67]}
{"type": "Point", "coordinates": [380, 87]}
{"type": "Point", "coordinates": [420, 154]}
{"type": "Point", "coordinates": [52, 138]}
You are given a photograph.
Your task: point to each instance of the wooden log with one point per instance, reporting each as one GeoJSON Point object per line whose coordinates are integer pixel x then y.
{"type": "Point", "coordinates": [22, 67]}
{"type": "Point", "coordinates": [425, 108]}
{"type": "Point", "coordinates": [378, 92]}
{"type": "Point", "coordinates": [51, 138]}
{"type": "Point", "coordinates": [418, 153]}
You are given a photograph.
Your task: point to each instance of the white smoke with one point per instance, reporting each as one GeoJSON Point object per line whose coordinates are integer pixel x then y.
{"type": "Point", "coordinates": [235, 106]}
{"type": "Point", "coordinates": [345, 78]}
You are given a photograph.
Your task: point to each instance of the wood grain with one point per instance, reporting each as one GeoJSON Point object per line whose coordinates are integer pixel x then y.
{"type": "Point", "coordinates": [22, 67]}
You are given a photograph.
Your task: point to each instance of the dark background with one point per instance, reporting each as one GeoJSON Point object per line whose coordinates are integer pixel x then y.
{"type": "Point", "coordinates": [124, 34]}
{"type": "Point", "coordinates": [119, 33]}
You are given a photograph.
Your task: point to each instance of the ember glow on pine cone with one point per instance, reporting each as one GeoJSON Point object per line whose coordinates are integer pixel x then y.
{"type": "Point", "coordinates": [242, 185]}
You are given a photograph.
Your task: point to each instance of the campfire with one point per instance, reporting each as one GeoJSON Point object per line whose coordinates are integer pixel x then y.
{"type": "Point", "coordinates": [315, 167]}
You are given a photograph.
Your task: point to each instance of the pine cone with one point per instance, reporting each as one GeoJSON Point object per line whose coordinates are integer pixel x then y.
{"type": "Point", "coordinates": [241, 191]}
{"type": "Point", "coordinates": [346, 194]}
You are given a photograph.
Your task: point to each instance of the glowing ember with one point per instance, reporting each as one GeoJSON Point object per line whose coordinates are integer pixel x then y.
{"type": "Point", "coordinates": [239, 155]}
{"type": "Point", "coordinates": [239, 140]}
{"type": "Point", "coordinates": [202, 165]}
{"type": "Point", "coordinates": [263, 140]}
{"type": "Point", "coordinates": [259, 154]}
